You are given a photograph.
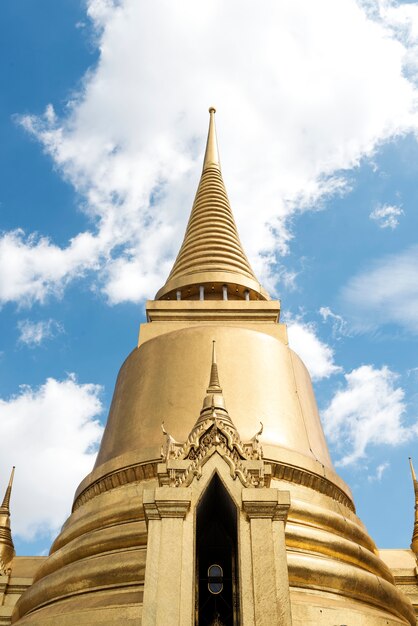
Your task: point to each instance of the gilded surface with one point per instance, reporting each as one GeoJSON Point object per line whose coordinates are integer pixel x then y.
{"type": "Point", "coordinates": [263, 381]}
{"type": "Point", "coordinates": [211, 254]}
{"type": "Point", "coordinates": [127, 552]}
{"type": "Point", "coordinates": [7, 550]}
{"type": "Point", "coordinates": [414, 544]}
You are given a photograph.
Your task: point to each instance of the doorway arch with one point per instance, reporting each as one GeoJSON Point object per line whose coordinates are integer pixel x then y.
{"type": "Point", "coordinates": [217, 596]}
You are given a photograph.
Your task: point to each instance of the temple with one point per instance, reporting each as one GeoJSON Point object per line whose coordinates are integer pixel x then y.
{"type": "Point", "coordinates": [213, 500]}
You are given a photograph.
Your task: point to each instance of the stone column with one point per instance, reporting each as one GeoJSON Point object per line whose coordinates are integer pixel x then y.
{"type": "Point", "coordinates": [267, 512]}
{"type": "Point", "coordinates": [165, 509]}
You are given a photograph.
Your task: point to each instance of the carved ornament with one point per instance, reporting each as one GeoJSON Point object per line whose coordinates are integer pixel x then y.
{"type": "Point", "coordinates": [183, 462]}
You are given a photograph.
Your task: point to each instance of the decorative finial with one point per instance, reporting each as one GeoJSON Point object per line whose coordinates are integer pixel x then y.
{"type": "Point", "coordinates": [255, 439]}
{"type": "Point", "coordinates": [414, 544]}
{"type": "Point", "coordinates": [7, 550]}
{"type": "Point", "coordinates": [214, 400]}
{"type": "Point", "coordinates": [412, 470]}
{"type": "Point", "coordinates": [169, 438]}
{"type": "Point", "coordinates": [214, 385]}
{"type": "Point", "coordinates": [170, 444]}
{"type": "Point", "coordinates": [212, 153]}
{"type": "Point", "coordinates": [7, 495]}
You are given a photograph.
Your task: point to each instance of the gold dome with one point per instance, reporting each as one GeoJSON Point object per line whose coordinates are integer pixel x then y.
{"type": "Point", "coordinates": [158, 384]}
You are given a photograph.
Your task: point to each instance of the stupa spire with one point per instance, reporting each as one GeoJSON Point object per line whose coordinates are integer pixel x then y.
{"type": "Point", "coordinates": [214, 402]}
{"type": "Point", "coordinates": [212, 153]}
{"type": "Point", "coordinates": [211, 263]}
{"type": "Point", "coordinates": [414, 544]}
{"type": "Point", "coordinates": [8, 493]}
{"type": "Point", "coordinates": [7, 550]}
{"type": "Point", "coordinates": [414, 477]}
{"type": "Point", "coordinates": [214, 399]}
{"type": "Point", "coordinates": [214, 385]}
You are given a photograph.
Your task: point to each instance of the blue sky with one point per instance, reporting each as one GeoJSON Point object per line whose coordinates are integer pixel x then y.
{"type": "Point", "coordinates": [103, 118]}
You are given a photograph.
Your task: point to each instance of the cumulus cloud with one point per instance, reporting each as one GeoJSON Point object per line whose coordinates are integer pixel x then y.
{"type": "Point", "coordinates": [317, 355]}
{"type": "Point", "coordinates": [33, 334]}
{"type": "Point", "coordinates": [52, 431]}
{"type": "Point", "coordinates": [386, 216]}
{"type": "Point", "coordinates": [31, 268]}
{"type": "Point", "coordinates": [387, 292]}
{"type": "Point", "coordinates": [298, 104]}
{"type": "Point", "coordinates": [370, 410]}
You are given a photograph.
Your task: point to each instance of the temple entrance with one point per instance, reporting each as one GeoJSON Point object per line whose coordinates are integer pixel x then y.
{"type": "Point", "coordinates": [217, 601]}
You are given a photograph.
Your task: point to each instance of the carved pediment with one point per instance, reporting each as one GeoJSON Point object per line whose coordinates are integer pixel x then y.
{"type": "Point", "coordinates": [182, 462]}
{"type": "Point", "coordinates": [213, 433]}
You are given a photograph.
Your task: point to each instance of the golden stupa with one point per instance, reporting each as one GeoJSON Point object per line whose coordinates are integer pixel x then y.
{"type": "Point", "coordinates": [213, 499]}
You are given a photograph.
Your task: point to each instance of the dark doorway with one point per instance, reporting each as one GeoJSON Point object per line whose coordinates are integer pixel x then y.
{"type": "Point", "coordinates": [217, 600]}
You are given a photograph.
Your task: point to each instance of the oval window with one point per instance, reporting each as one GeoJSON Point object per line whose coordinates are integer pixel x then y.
{"type": "Point", "coordinates": [215, 576]}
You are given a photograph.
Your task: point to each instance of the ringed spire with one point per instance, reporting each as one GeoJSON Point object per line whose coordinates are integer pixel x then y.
{"type": "Point", "coordinates": [214, 386]}
{"type": "Point", "coordinates": [414, 544]}
{"type": "Point", "coordinates": [211, 263]}
{"type": "Point", "coordinates": [7, 550]}
{"type": "Point", "coordinates": [214, 402]}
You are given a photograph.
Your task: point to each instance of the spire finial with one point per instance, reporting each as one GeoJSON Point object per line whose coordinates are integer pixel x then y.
{"type": "Point", "coordinates": [7, 550]}
{"type": "Point", "coordinates": [6, 499]}
{"type": "Point", "coordinates": [414, 544]}
{"type": "Point", "coordinates": [214, 403]}
{"type": "Point", "coordinates": [414, 477]}
{"type": "Point", "coordinates": [211, 256]}
{"type": "Point", "coordinates": [212, 153]}
{"type": "Point", "coordinates": [214, 385]}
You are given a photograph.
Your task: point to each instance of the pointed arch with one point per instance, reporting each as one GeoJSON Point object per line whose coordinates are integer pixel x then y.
{"type": "Point", "coordinates": [217, 575]}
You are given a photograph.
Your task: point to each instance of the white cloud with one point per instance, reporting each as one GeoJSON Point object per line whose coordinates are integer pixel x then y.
{"type": "Point", "coordinates": [317, 355]}
{"type": "Point", "coordinates": [387, 292]}
{"type": "Point", "coordinates": [32, 334]}
{"type": "Point", "coordinates": [387, 216]}
{"type": "Point", "coordinates": [31, 268]}
{"type": "Point", "coordinates": [377, 476]}
{"type": "Point", "coordinates": [298, 103]}
{"type": "Point", "coordinates": [369, 411]}
{"type": "Point", "coordinates": [402, 18]}
{"type": "Point", "coordinates": [339, 324]}
{"type": "Point", "coordinates": [53, 432]}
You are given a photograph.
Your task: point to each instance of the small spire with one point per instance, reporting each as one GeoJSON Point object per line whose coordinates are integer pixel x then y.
{"type": "Point", "coordinates": [7, 550]}
{"type": "Point", "coordinates": [214, 403]}
{"type": "Point", "coordinates": [214, 386]}
{"type": "Point", "coordinates": [6, 499]}
{"type": "Point", "coordinates": [414, 477]}
{"type": "Point", "coordinates": [212, 153]}
{"type": "Point", "coordinates": [414, 544]}
{"type": "Point", "coordinates": [213, 408]}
